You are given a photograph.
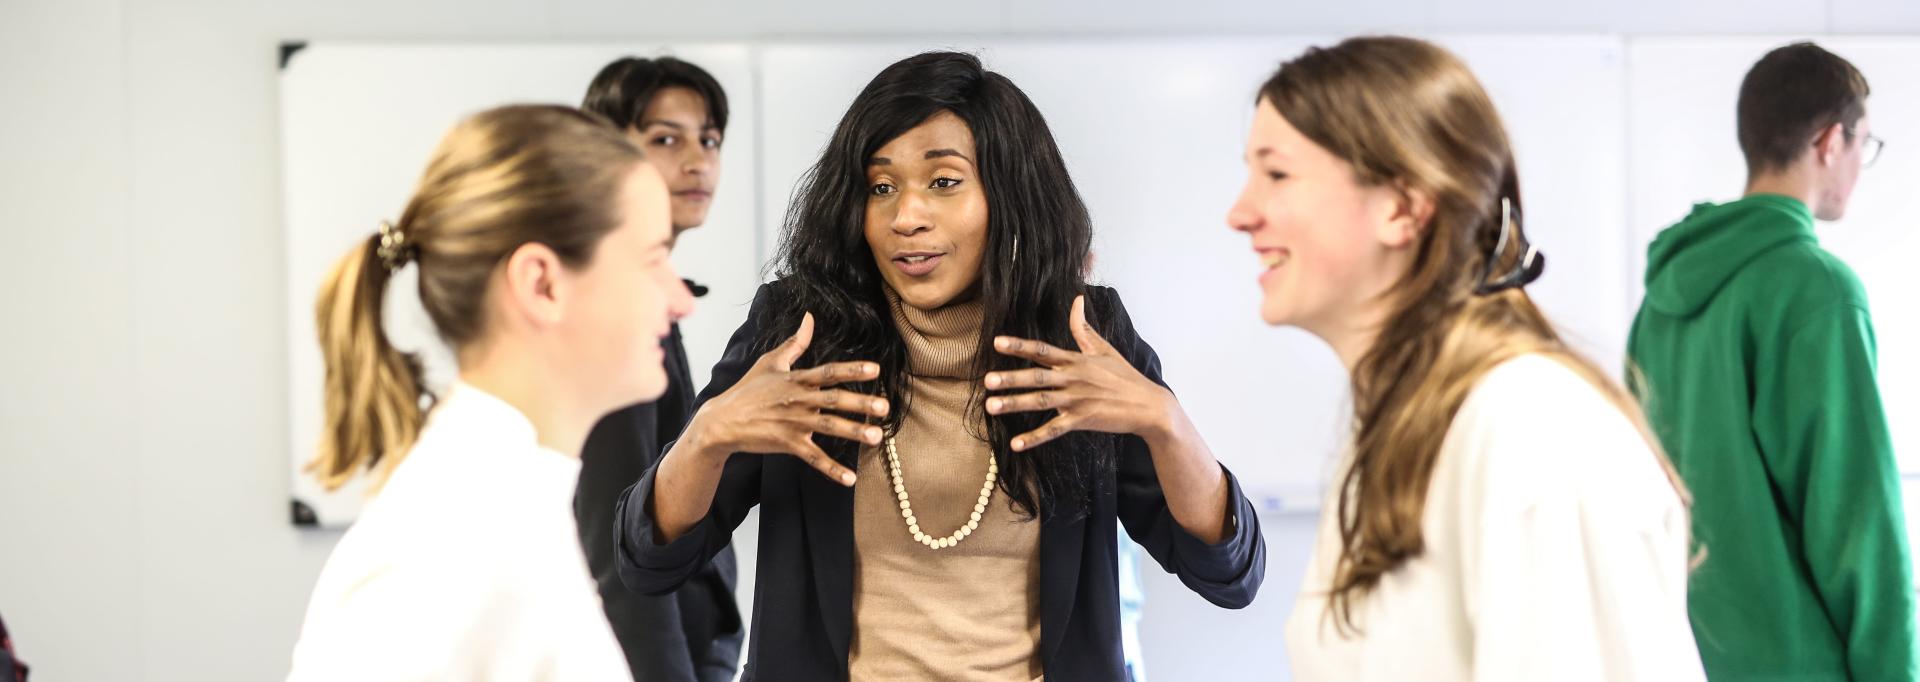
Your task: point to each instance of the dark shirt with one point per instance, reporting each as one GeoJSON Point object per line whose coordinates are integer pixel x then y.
{"type": "Point", "coordinates": [692, 634]}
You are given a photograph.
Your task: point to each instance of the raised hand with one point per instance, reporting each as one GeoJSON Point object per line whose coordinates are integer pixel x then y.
{"type": "Point", "coordinates": [1093, 389]}
{"type": "Point", "coordinates": [777, 409]}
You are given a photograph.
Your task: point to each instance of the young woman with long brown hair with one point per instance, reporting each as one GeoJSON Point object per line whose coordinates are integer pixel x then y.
{"type": "Point", "coordinates": [1501, 512]}
{"type": "Point", "coordinates": [541, 241]}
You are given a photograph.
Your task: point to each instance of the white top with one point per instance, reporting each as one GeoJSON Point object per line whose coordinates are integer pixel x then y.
{"type": "Point", "coordinates": [466, 566]}
{"type": "Point", "coordinates": [1556, 549]}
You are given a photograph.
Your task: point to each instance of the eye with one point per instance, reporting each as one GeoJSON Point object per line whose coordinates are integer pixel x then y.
{"type": "Point", "coordinates": [946, 183]}
{"type": "Point", "coordinates": [1276, 176]}
{"type": "Point", "coordinates": [666, 140]}
{"type": "Point", "coordinates": [710, 142]}
{"type": "Point", "coordinates": [882, 189]}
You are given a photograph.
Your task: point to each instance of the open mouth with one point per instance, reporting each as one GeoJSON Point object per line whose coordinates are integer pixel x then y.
{"type": "Point", "coordinates": [918, 264]}
{"type": "Point", "coordinates": [1271, 260]}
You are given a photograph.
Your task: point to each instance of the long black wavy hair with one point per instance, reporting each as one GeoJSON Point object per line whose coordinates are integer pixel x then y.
{"type": "Point", "coordinates": [1038, 237]}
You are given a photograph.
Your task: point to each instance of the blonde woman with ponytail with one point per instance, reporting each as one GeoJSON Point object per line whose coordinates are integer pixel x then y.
{"type": "Point", "coordinates": [1501, 513]}
{"type": "Point", "coordinates": [541, 242]}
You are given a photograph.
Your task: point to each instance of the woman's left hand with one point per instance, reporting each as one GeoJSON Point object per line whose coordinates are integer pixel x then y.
{"type": "Point", "coordinates": [1094, 389]}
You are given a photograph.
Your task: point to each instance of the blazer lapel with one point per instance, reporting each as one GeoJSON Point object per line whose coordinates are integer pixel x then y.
{"type": "Point", "coordinates": [1062, 542]}
{"type": "Point", "coordinates": [827, 515]}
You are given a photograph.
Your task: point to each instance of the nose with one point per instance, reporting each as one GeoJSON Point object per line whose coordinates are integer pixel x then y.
{"type": "Point", "coordinates": [695, 161]}
{"type": "Point", "coordinates": [911, 217]}
{"type": "Point", "coordinates": [679, 301]}
{"type": "Point", "coordinates": [1243, 216]}
{"type": "Point", "coordinates": [679, 297]}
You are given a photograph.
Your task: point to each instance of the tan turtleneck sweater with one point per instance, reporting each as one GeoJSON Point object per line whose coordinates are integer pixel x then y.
{"type": "Point", "coordinates": [968, 612]}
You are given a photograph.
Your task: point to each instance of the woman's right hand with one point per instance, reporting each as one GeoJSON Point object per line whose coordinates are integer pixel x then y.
{"type": "Point", "coordinates": [777, 409]}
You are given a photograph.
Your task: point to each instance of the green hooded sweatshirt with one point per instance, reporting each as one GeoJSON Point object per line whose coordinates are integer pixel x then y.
{"type": "Point", "coordinates": [1756, 367]}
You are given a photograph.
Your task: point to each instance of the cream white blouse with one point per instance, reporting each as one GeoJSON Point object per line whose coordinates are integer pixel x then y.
{"type": "Point", "coordinates": [1556, 549]}
{"type": "Point", "coordinates": [466, 566]}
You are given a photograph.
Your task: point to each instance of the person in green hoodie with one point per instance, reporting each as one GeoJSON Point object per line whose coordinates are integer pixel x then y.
{"type": "Point", "coordinates": [1755, 361]}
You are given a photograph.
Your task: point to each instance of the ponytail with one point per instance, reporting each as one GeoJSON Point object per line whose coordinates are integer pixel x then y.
{"type": "Point", "coordinates": [373, 391]}
{"type": "Point", "coordinates": [500, 179]}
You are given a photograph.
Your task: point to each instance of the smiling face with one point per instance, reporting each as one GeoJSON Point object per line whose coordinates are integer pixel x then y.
{"type": "Point", "coordinates": [926, 216]}
{"type": "Point", "coordinates": [1329, 246]}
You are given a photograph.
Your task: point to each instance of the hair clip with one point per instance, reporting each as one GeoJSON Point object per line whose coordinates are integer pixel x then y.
{"type": "Point", "coordinates": [394, 250]}
{"type": "Point", "coordinates": [1532, 262]}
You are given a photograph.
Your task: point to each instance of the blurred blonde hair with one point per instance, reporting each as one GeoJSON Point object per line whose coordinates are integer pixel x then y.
{"type": "Point", "coordinates": [500, 179]}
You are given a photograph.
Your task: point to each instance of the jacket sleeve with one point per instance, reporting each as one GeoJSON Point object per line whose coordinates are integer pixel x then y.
{"type": "Point", "coordinates": [1227, 573]}
{"type": "Point", "coordinates": [645, 564]}
{"type": "Point", "coordinates": [1825, 438]}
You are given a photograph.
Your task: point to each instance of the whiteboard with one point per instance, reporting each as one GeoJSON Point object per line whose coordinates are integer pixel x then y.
{"type": "Point", "coordinates": [1152, 130]}
{"type": "Point", "coordinates": [1685, 150]}
{"type": "Point", "coordinates": [358, 123]}
{"type": "Point", "coordinates": [1614, 140]}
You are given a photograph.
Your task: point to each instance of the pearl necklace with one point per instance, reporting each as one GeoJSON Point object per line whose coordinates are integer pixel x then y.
{"type": "Point", "coordinates": [906, 506]}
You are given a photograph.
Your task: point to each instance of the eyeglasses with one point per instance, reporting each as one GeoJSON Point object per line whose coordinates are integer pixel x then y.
{"type": "Point", "coordinates": [1870, 149]}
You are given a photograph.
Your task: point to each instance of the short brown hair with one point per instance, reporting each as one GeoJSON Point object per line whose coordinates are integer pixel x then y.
{"type": "Point", "coordinates": [1789, 96]}
{"type": "Point", "coordinates": [623, 89]}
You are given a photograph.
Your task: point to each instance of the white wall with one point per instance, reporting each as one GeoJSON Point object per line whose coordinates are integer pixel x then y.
{"type": "Point", "coordinates": [143, 521]}
{"type": "Point", "coordinates": [357, 121]}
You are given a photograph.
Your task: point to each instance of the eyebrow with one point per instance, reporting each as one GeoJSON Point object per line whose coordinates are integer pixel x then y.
{"type": "Point", "coordinates": [930, 155]}
{"type": "Point", "coordinates": [1262, 153]}
{"type": "Point", "coordinates": [651, 122]}
{"type": "Point", "coordinates": [939, 153]}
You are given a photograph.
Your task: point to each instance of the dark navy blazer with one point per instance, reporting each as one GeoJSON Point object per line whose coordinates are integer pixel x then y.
{"type": "Point", "coordinates": [803, 599]}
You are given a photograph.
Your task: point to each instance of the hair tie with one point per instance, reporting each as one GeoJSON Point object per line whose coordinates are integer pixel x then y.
{"type": "Point", "coordinates": [394, 250]}
{"type": "Point", "coordinates": [1525, 270]}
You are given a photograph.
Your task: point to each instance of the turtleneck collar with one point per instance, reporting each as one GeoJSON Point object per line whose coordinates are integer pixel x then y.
{"type": "Point", "coordinates": [941, 343]}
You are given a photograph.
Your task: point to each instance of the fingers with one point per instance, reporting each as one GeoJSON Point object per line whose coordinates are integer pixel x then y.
{"type": "Point", "coordinates": [841, 427]}
{"type": "Point", "coordinates": [1037, 351]}
{"type": "Point", "coordinates": [1059, 426]}
{"type": "Point", "coordinates": [1090, 341]}
{"type": "Point", "coordinates": [1042, 377]}
{"type": "Point", "coordinates": [844, 401]}
{"type": "Point", "coordinates": [795, 346]}
{"type": "Point", "coordinates": [1038, 401]}
{"type": "Point", "coordinates": [810, 453]}
{"type": "Point", "coordinates": [836, 373]}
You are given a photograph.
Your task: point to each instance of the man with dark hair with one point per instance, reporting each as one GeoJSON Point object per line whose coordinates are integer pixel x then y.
{"type": "Point", "coordinates": [1756, 363]}
{"type": "Point", "coordinates": [677, 113]}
